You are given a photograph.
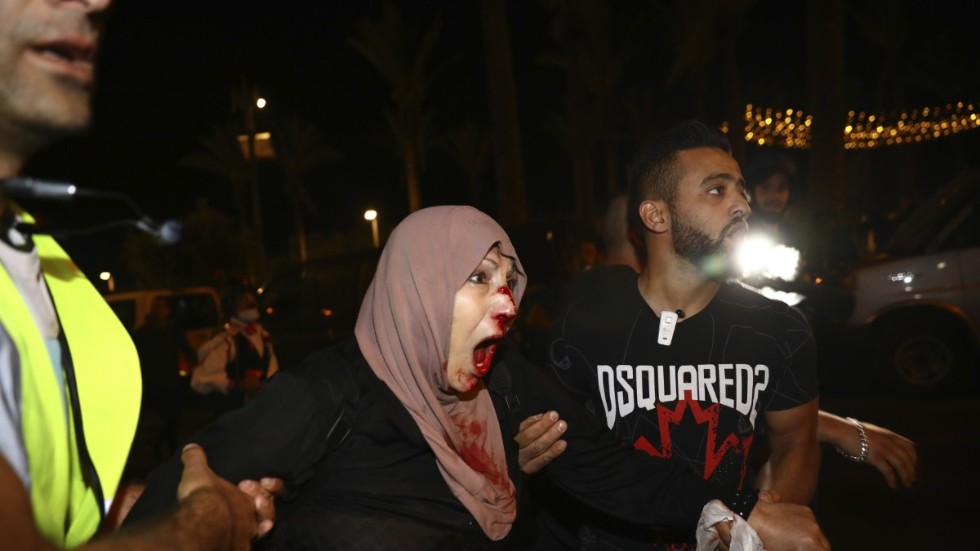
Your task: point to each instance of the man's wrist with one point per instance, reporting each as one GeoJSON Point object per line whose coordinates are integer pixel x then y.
{"type": "Point", "coordinates": [205, 520]}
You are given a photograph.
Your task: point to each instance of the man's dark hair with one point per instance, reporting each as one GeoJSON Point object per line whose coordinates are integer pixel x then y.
{"type": "Point", "coordinates": [653, 172]}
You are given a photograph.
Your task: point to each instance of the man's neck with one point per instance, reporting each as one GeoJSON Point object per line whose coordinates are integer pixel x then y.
{"type": "Point", "coordinates": [670, 283]}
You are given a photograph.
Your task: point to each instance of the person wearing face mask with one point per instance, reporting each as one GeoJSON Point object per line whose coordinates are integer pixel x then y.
{"type": "Point", "coordinates": [235, 362]}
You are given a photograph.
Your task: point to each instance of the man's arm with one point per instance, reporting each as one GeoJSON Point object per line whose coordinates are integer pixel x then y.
{"type": "Point", "coordinates": [781, 526]}
{"type": "Point", "coordinates": [892, 454]}
{"type": "Point", "coordinates": [211, 515]}
{"type": "Point", "coordinates": [794, 453]}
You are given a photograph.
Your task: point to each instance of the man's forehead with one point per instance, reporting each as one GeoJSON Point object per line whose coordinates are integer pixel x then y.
{"type": "Point", "coordinates": [703, 163]}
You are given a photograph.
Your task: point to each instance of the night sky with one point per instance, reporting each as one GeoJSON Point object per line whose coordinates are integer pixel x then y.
{"type": "Point", "coordinates": [167, 70]}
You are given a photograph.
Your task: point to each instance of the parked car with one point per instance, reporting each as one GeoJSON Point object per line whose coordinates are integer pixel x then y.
{"type": "Point", "coordinates": [917, 308]}
{"type": "Point", "coordinates": [196, 309]}
{"type": "Point", "coordinates": [309, 306]}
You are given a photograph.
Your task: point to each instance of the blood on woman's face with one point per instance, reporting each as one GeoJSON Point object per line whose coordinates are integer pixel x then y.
{"type": "Point", "coordinates": [483, 310]}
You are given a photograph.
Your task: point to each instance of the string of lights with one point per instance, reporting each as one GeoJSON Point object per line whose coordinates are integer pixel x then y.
{"type": "Point", "coordinates": [790, 128]}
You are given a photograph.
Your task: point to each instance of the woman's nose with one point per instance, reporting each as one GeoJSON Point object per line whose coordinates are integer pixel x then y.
{"type": "Point", "coordinates": [505, 307]}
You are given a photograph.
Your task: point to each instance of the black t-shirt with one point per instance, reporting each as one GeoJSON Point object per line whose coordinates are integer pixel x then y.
{"type": "Point", "coordinates": [698, 400]}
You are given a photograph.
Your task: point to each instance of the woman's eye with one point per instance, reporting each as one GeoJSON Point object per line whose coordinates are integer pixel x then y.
{"type": "Point", "coordinates": [478, 278]}
{"type": "Point", "coordinates": [512, 283]}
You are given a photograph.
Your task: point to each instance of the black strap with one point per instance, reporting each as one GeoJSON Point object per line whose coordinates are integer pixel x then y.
{"type": "Point", "coordinates": [344, 392]}
{"type": "Point", "coordinates": [501, 384]}
{"type": "Point", "coordinates": [87, 466]}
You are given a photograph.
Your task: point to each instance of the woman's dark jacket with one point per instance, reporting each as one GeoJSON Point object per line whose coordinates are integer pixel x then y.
{"type": "Point", "coordinates": [381, 486]}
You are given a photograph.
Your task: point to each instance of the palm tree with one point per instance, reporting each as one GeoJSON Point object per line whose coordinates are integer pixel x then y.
{"type": "Point", "coordinates": [470, 145]}
{"type": "Point", "coordinates": [502, 93]}
{"type": "Point", "coordinates": [591, 47]}
{"type": "Point", "coordinates": [297, 151]}
{"type": "Point", "coordinates": [705, 35]}
{"type": "Point", "coordinates": [825, 78]}
{"type": "Point", "coordinates": [401, 52]}
{"type": "Point", "coordinates": [222, 155]}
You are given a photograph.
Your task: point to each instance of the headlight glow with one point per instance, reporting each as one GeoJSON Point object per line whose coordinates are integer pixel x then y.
{"type": "Point", "coordinates": [759, 256]}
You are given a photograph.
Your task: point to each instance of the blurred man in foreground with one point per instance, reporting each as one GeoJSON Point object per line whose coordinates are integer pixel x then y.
{"type": "Point", "coordinates": [69, 374]}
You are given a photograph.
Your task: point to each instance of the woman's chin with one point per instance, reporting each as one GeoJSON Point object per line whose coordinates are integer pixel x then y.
{"type": "Point", "coordinates": [465, 384]}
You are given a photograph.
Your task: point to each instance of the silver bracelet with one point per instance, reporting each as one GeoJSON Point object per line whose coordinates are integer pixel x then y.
{"type": "Point", "coordinates": [864, 444]}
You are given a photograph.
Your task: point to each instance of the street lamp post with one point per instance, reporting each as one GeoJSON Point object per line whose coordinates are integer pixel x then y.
{"type": "Point", "coordinates": [110, 281]}
{"type": "Point", "coordinates": [247, 99]}
{"type": "Point", "coordinates": [371, 215]}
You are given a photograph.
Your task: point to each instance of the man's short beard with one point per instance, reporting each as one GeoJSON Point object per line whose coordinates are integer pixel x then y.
{"type": "Point", "coordinates": [709, 255]}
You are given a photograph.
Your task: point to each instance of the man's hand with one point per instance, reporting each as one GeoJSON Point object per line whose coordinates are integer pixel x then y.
{"type": "Point", "coordinates": [540, 441]}
{"type": "Point", "coordinates": [263, 491]}
{"type": "Point", "coordinates": [891, 453]}
{"type": "Point", "coordinates": [245, 511]}
{"type": "Point", "coordinates": [786, 526]}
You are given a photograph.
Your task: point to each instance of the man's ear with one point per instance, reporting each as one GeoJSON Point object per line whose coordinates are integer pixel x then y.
{"type": "Point", "coordinates": [655, 215]}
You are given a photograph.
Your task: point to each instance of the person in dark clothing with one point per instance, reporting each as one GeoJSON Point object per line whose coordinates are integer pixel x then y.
{"type": "Point", "coordinates": [161, 345]}
{"type": "Point", "coordinates": [679, 360]}
{"type": "Point", "coordinates": [435, 396]}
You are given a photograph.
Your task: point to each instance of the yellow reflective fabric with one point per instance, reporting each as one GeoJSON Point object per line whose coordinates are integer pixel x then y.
{"type": "Point", "coordinates": [108, 380]}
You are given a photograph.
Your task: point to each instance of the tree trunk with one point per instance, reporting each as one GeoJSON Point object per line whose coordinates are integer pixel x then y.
{"type": "Point", "coordinates": [733, 103]}
{"type": "Point", "coordinates": [825, 52]}
{"type": "Point", "coordinates": [253, 171]}
{"type": "Point", "coordinates": [509, 165]}
{"type": "Point", "coordinates": [300, 229]}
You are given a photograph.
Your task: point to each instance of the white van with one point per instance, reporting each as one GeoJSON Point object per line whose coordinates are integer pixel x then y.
{"type": "Point", "coordinates": [919, 306]}
{"type": "Point", "coordinates": [196, 309]}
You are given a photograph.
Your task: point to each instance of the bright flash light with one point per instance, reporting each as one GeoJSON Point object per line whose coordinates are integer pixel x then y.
{"type": "Point", "coordinates": [260, 103]}
{"type": "Point", "coordinates": [104, 276]}
{"type": "Point", "coordinates": [370, 214]}
{"type": "Point", "coordinates": [759, 256]}
{"type": "Point", "coordinates": [789, 298]}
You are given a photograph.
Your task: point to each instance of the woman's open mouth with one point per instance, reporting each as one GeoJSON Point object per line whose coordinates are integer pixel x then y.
{"type": "Point", "coordinates": [483, 356]}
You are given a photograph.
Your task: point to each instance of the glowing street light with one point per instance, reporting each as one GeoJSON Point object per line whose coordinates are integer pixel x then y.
{"type": "Point", "coordinates": [260, 103]}
{"type": "Point", "coordinates": [109, 280]}
{"type": "Point", "coordinates": [371, 216]}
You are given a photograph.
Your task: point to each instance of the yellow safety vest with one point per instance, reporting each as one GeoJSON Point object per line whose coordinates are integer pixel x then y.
{"type": "Point", "coordinates": [107, 376]}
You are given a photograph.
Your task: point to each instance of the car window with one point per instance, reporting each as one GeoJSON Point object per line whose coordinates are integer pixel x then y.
{"type": "Point", "coordinates": [930, 225]}
{"type": "Point", "coordinates": [194, 311]}
{"type": "Point", "coordinates": [324, 295]}
{"type": "Point", "coordinates": [963, 231]}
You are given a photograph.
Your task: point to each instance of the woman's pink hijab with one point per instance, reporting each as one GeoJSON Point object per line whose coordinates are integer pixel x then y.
{"type": "Point", "coordinates": [403, 331]}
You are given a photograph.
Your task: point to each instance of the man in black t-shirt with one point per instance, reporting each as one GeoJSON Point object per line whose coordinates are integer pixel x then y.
{"type": "Point", "coordinates": [679, 361]}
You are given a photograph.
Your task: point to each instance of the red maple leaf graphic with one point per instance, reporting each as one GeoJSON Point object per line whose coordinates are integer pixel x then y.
{"type": "Point", "coordinates": [714, 452]}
